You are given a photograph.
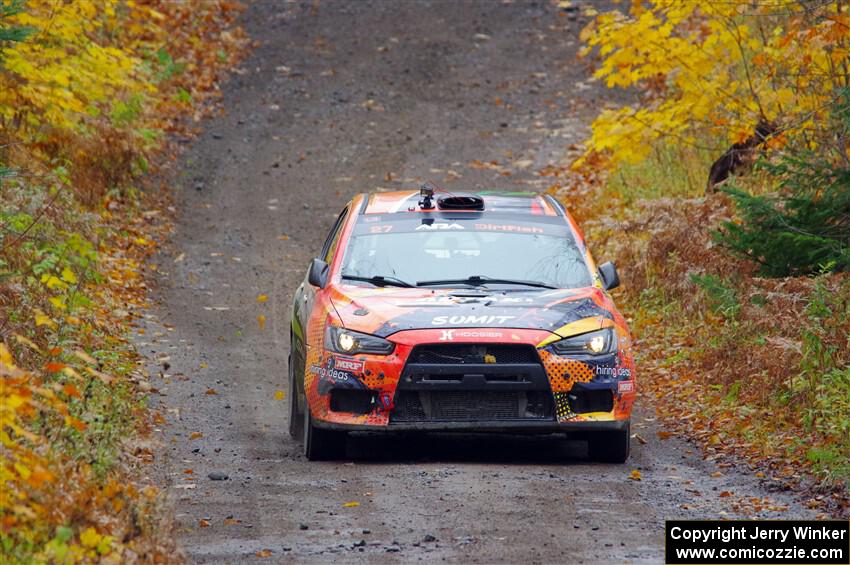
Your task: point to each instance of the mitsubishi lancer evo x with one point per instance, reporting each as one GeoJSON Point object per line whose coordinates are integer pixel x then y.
{"type": "Point", "coordinates": [478, 312]}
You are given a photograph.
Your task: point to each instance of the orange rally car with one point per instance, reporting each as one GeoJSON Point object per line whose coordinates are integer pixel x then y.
{"type": "Point", "coordinates": [466, 312]}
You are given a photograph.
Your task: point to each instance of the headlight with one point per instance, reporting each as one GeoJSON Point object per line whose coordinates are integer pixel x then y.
{"type": "Point", "coordinates": [346, 341]}
{"type": "Point", "coordinates": [599, 342]}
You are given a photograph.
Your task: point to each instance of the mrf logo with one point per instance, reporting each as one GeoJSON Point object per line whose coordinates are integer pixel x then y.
{"type": "Point", "coordinates": [346, 364]}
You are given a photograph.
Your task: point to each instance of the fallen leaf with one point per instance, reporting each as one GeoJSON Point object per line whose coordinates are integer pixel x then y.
{"type": "Point", "coordinates": [203, 523]}
{"type": "Point", "coordinates": [716, 474]}
{"type": "Point", "coordinates": [262, 298]}
{"type": "Point", "coordinates": [69, 276]}
{"type": "Point", "coordinates": [725, 494]}
{"type": "Point", "coordinates": [90, 537]}
{"type": "Point", "coordinates": [23, 340]}
{"type": "Point", "coordinates": [43, 320]}
{"type": "Point", "coordinates": [261, 320]}
{"type": "Point", "coordinates": [78, 425]}
{"type": "Point", "coordinates": [634, 475]}
{"type": "Point", "coordinates": [211, 391]}
{"type": "Point", "coordinates": [278, 395]}
{"type": "Point", "coordinates": [664, 435]}
{"type": "Point", "coordinates": [640, 439]}
{"type": "Point", "coordinates": [351, 504]}
{"type": "Point", "coordinates": [196, 435]}
{"type": "Point", "coordinates": [264, 553]}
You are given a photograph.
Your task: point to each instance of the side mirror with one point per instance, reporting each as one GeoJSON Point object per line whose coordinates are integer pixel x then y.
{"type": "Point", "coordinates": [608, 273]}
{"type": "Point", "coordinates": [318, 273]}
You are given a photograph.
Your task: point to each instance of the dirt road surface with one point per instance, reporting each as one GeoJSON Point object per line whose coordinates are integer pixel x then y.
{"type": "Point", "coordinates": [352, 96]}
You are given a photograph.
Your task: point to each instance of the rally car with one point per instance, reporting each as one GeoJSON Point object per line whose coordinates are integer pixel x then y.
{"type": "Point", "coordinates": [477, 312]}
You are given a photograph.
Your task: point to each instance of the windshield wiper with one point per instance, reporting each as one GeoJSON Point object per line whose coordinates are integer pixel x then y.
{"type": "Point", "coordinates": [477, 280]}
{"type": "Point", "coordinates": [379, 280]}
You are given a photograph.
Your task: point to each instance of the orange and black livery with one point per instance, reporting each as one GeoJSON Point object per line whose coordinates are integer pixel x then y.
{"type": "Point", "coordinates": [436, 311]}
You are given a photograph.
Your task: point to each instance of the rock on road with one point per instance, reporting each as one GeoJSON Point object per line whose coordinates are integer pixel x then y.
{"type": "Point", "coordinates": [340, 98]}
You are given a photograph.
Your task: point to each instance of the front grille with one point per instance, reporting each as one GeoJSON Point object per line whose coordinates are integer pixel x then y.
{"type": "Point", "coordinates": [443, 354]}
{"type": "Point", "coordinates": [469, 382]}
{"type": "Point", "coordinates": [408, 408]}
{"type": "Point", "coordinates": [466, 406]}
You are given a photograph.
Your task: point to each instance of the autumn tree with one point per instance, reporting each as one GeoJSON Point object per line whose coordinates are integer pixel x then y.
{"type": "Point", "coordinates": [709, 72]}
{"type": "Point", "coordinates": [766, 76]}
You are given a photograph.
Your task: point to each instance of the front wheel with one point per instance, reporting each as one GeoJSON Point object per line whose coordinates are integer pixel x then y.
{"type": "Point", "coordinates": [610, 446]}
{"type": "Point", "coordinates": [322, 445]}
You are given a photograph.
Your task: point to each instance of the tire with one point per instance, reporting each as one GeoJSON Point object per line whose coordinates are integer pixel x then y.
{"type": "Point", "coordinates": [322, 445]}
{"type": "Point", "coordinates": [296, 418]}
{"type": "Point", "coordinates": [610, 446]}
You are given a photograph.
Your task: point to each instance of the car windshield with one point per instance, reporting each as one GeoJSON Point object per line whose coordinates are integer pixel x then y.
{"type": "Point", "coordinates": [457, 253]}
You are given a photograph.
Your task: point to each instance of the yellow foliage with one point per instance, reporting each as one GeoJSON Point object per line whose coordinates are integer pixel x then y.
{"type": "Point", "coordinates": [714, 70]}
{"type": "Point", "coordinates": [90, 537]}
{"type": "Point", "coordinates": [69, 276]}
{"type": "Point", "coordinates": [41, 319]}
{"type": "Point", "coordinates": [24, 465]}
{"type": "Point", "coordinates": [86, 99]}
{"type": "Point", "coordinates": [62, 75]}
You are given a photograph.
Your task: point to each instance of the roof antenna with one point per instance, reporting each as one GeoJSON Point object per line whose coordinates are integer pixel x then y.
{"type": "Point", "coordinates": [426, 191]}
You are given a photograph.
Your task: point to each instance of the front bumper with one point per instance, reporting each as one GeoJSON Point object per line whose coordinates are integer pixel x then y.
{"type": "Point", "coordinates": [513, 387]}
{"type": "Point", "coordinates": [532, 427]}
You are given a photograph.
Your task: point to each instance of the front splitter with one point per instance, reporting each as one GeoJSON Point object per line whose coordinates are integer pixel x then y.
{"type": "Point", "coordinates": [523, 426]}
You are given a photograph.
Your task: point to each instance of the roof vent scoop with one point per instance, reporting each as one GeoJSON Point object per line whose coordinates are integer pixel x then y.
{"type": "Point", "coordinates": [460, 202]}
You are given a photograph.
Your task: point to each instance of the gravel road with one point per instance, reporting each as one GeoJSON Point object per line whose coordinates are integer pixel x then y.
{"type": "Point", "coordinates": [336, 99]}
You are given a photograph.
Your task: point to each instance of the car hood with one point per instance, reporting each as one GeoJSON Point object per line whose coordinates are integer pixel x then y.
{"type": "Point", "coordinates": [385, 311]}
